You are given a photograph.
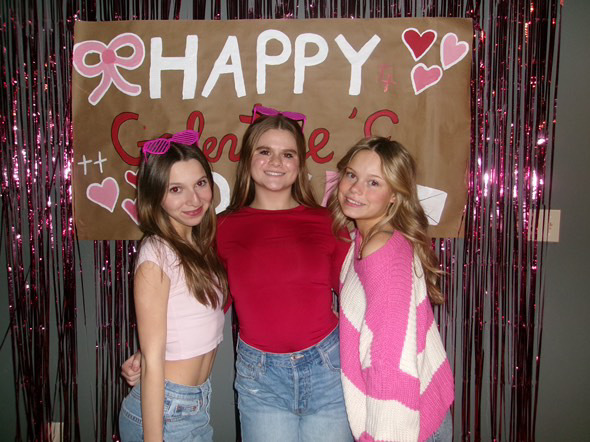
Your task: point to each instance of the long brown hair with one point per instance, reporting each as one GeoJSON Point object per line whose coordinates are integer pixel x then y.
{"type": "Point", "coordinates": [405, 215]}
{"type": "Point", "coordinates": [201, 265]}
{"type": "Point", "coordinates": [244, 191]}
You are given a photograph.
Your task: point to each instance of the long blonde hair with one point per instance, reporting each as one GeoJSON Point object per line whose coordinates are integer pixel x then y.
{"type": "Point", "coordinates": [244, 191]}
{"type": "Point", "coordinates": [404, 215]}
{"type": "Point", "coordinates": [202, 268]}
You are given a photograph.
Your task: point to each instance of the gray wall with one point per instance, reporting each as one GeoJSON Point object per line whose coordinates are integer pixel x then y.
{"type": "Point", "coordinates": [564, 392]}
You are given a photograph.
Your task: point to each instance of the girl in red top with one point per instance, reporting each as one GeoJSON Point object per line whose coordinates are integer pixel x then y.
{"type": "Point", "coordinates": [283, 263]}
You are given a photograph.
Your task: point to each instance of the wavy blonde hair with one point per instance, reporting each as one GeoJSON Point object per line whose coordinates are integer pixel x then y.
{"type": "Point", "coordinates": [244, 190]}
{"type": "Point", "coordinates": [404, 215]}
{"type": "Point", "coordinates": [203, 270]}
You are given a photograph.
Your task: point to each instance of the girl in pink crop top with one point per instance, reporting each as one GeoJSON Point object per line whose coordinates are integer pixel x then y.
{"type": "Point", "coordinates": [180, 288]}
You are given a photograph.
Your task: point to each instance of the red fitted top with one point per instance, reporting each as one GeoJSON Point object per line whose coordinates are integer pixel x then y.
{"type": "Point", "coordinates": [282, 266]}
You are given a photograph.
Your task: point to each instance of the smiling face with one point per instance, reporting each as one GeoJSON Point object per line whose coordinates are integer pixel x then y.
{"type": "Point", "coordinates": [188, 196]}
{"type": "Point", "coordinates": [275, 165]}
{"type": "Point", "coordinates": [363, 193]}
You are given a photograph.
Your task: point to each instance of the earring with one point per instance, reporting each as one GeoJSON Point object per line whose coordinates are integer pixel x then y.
{"type": "Point", "coordinates": [390, 208]}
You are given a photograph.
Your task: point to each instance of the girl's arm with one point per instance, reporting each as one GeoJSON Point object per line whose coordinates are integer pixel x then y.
{"type": "Point", "coordinates": [152, 288]}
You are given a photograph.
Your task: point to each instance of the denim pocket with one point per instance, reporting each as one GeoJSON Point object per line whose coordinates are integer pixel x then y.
{"type": "Point", "coordinates": [131, 409]}
{"type": "Point", "coordinates": [331, 356]}
{"type": "Point", "coordinates": [177, 409]}
{"type": "Point", "coordinates": [246, 369]}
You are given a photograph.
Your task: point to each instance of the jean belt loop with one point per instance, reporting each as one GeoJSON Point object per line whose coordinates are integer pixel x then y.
{"type": "Point", "coordinates": [262, 359]}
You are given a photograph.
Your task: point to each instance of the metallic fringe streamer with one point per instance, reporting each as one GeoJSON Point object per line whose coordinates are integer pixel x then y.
{"type": "Point", "coordinates": [516, 48]}
{"type": "Point", "coordinates": [492, 321]}
{"type": "Point", "coordinates": [37, 219]}
{"type": "Point", "coordinates": [115, 324]}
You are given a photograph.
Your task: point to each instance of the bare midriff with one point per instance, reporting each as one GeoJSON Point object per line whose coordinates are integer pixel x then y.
{"type": "Point", "coordinates": [193, 371]}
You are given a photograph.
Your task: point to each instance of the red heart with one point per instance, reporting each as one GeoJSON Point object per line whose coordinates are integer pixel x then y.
{"type": "Point", "coordinates": [418, 43]}
{"type": "Point", "coordinates": [131, 178]}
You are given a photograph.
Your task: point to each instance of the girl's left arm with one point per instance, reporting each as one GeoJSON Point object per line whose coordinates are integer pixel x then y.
{"type": "Point", "coordinates": [151, 293]}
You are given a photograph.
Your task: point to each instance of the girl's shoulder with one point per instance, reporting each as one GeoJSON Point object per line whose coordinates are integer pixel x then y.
{"type": "Point", "coordinates": [376, 243]}
{"type": "Point", "coordinates": [154, 244]}
{"type": "Point", "coordinates": [386, 243]}
{"type": "Point", "coordinates": [158, 251]}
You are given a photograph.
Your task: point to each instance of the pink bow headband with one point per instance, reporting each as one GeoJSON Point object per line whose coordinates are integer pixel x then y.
{"type": "Point", "coordinates": [269, 111]}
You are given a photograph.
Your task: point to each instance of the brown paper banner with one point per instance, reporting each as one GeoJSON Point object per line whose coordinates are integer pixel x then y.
{"type": "Point", "coordinates": [408, 79]}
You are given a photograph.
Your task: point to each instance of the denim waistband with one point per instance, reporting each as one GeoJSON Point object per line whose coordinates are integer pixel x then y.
{"type": "Point", "coordinates": [179, 391]}
{"type": "Point", "coordinates": [301, 357]}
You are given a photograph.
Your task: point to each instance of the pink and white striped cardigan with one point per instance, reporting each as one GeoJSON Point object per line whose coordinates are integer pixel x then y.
{"type": "Point", "coordinates": [397, 381]}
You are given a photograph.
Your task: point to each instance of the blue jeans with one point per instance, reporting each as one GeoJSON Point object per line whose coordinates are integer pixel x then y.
{"type": "Point", "coordinates": [186, 413]}
{"type": "Point", "coordinates": [444, 432]}
{"type": "Point", "coordinates": [292, 396]}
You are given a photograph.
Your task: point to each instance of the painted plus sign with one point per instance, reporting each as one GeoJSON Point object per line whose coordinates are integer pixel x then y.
{"type": "Point", "coordinates": [84, 163]}
{"type": "Point", "coordinates": [100, 161]}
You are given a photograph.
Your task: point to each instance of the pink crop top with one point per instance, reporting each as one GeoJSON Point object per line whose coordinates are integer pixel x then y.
{"type": "Point", "coordinates": [192, 328]}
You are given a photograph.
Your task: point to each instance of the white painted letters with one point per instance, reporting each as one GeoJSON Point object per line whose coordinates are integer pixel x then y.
{"type": "Point", "coordinates": [188, 64]}
{"type": "Point", "coordinates": [356, 60]}
{"type": "Point", "coordinates": [224, 192]}
{"type": "Point", "coordinates": [301, 61]}
{"type": "Point", "coordinates": [263, 59]}
{"type": "Point", "coordinates": [229, 62]}
{"type": "Point", "coordinates": [230, 52]}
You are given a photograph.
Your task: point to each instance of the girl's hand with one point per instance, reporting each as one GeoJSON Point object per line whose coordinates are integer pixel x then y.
{"type": "Point", "coordinates": [131, 369]}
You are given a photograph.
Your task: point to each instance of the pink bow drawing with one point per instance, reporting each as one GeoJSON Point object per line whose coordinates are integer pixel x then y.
{"type": "Point", "coordinates": [109, 64]}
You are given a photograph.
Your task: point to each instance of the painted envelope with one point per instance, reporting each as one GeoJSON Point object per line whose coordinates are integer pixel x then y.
{"type": "Point", "coordinates": [433, 203]}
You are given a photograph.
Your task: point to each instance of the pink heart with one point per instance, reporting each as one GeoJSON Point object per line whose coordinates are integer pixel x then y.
{"type": "Point", "coordinates": [331, 182]}
{"type": "Point", "coordinates": [130, 207]}
{"type": "Point", "coordinates": [131, 178]}
{"type": "Point", "coordinates": [423, 77]}
{"type": "Point", "coordinates": [452, 51]}
{"type": "Point", "coordinates": [418, 43]}
{"type": "Point", "coordinates": [104, 194]}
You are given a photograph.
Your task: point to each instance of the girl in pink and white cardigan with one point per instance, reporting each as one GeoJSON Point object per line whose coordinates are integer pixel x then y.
{"type": "Point", "coordinates": [397, 381]}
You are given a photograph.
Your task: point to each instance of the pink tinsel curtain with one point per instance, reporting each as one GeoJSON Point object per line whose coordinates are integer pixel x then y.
{"type": "Point", "coordinates": [492, 322]}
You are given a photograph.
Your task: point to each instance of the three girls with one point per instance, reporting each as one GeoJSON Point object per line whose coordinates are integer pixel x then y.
{"type": "Point", "coordinates": [282, 261]}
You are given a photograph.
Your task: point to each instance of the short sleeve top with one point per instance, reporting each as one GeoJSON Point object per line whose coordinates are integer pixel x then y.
{"type": "Point", "coordinates": [192, 328]}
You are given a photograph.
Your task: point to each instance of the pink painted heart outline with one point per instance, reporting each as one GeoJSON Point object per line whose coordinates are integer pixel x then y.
{"type": "Point", "coordinates": [130, 209]}
{"type": "Point", "coordinates": [424, 77]}
{"type": "Point", "coordinates": [104, 194]}
{"type": "Point", "coordinates": [331, 183]}
{"type": "Point", "coordinates": [452, 51]}
{"type": "Point", "coordinates": [414, 41]}
{"type": "Point", "coordinates": [131, 178]}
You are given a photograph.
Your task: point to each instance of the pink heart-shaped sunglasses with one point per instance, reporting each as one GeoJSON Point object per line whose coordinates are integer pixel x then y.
{"type": "Point", "coordinates": [160, 146]}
